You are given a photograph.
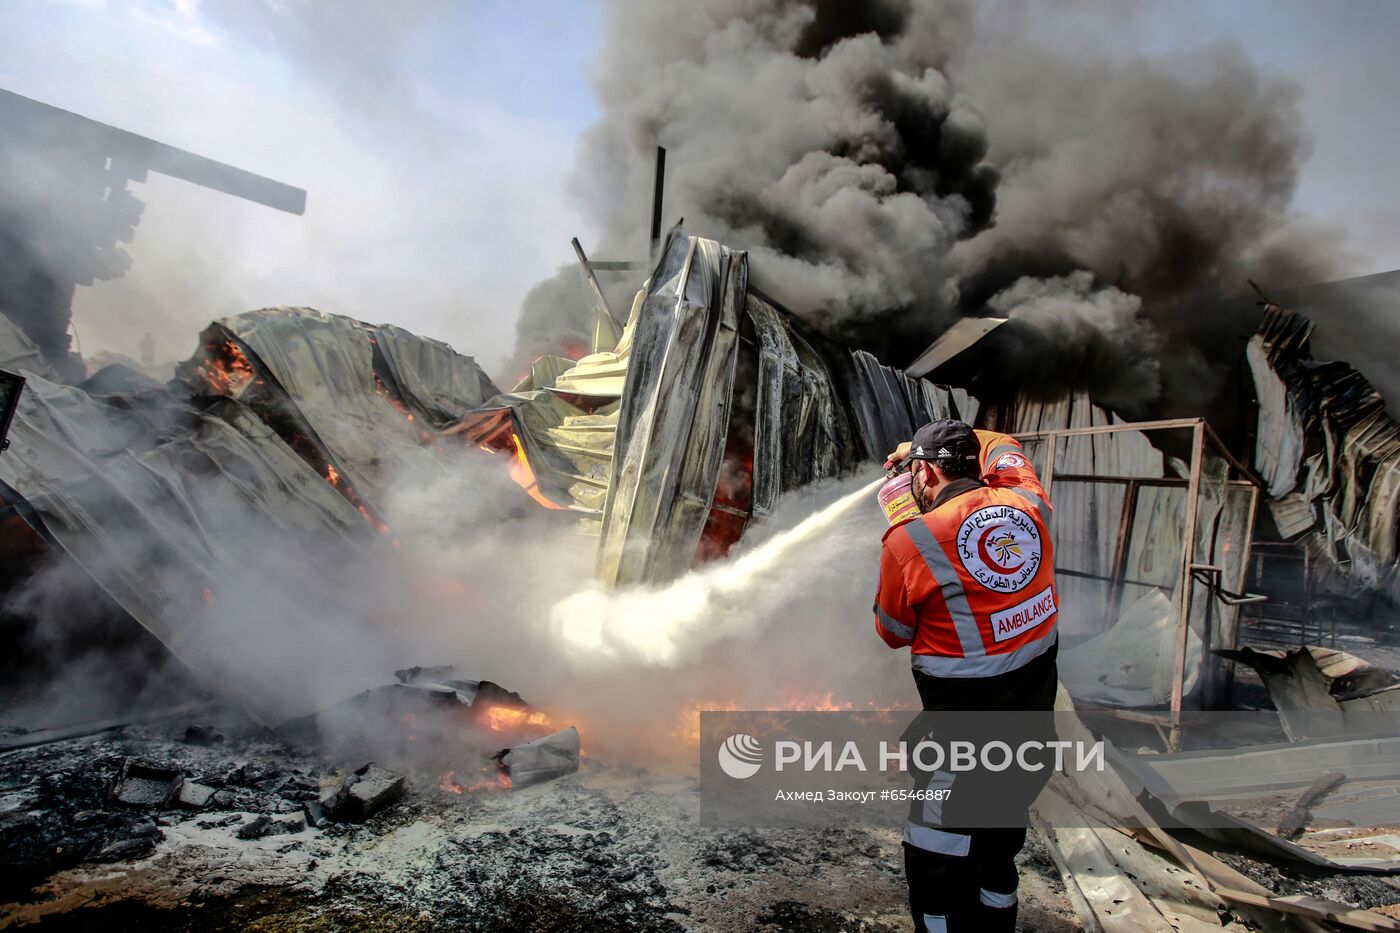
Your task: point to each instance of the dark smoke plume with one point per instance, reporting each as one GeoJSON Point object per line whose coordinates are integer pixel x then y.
{"type": "Point", "coordinates": [1067, 325]}
{"type": "Point", "coordinates": [838, 154]}
{"type": "Point", "coordinates": [1169, 179]}
{"type": "Point", "coordinates": [892, 164]}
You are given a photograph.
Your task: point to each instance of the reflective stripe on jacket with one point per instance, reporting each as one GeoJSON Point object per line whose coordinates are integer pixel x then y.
{"type": "Point", "coordinates": [970, 585]}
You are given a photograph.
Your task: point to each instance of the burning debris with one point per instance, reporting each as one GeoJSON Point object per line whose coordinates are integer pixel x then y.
{"type": "Point", "coordinates": [317, 411]}
{"type": "Point", "coordinates": [708, 374]}
{"type": "Point", "coordinates": [477, 733]}
{"type": "Point", "coordinates": [1327, 449]}
{"type": "Point", "coordinates": [121, 795]}
{"type": "Point", "coordinates": [542, 759]}
{"type": "Point", "coordinates": [248, 446]}
{"type": "Point", "coordinates": [243, 513]}
{"type": "Point", "coordinates": [664, 514]}
{"type": "Point", "coordinates": [659, 454]}
{"type": "Point", "coordinates": [606, 848]}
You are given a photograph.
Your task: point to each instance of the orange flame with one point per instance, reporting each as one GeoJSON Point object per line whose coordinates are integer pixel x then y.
{"type": "Point", "coordinates": [333, 477]}
{"type": "Point", "coordinates": [524, 477]}
{"type": "Point", "coordinates": [381, 390]}
{"type": "Point", "coordinates": [498, 781]}
{"type": "Point", "coordinates": [226, 370]}
{"type": "Point", "coordinates": [504, 718]}
{"type": "Point", "coordinates": [821, 702]}
{"type": "Point", "coordinates": [687, 727]}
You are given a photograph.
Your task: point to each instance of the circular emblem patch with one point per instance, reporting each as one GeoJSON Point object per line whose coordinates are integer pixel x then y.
{"type": "Point", "coordinates": [1009, 460]}
{"type": "Point", "coordinates": [1000, 546]}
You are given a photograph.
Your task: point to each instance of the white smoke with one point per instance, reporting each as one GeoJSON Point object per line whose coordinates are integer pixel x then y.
{"type": "Point", "coordinates": [734, 598]}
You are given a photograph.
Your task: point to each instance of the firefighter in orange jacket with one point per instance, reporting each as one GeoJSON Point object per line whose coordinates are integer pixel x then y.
{"type": "Point", "coordinates": [969, 587]}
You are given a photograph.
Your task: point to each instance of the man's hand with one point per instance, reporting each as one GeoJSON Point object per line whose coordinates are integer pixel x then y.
{"type": "Point", "coordinates": [897, 457]}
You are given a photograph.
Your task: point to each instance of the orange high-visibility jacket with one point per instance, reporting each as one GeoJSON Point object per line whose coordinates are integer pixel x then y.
{"type": "Point", "coordinates": [970, 585]}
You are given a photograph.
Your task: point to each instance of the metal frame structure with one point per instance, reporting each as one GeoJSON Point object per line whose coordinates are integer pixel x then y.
{"type": "Point", "coordinates": [1190, 571]}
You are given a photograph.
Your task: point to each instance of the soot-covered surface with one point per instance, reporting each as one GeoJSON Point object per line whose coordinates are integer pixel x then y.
{"type": "Point", "coordinates": [611, 848]}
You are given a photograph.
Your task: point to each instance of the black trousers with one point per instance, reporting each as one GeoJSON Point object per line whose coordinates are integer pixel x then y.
{"type": "Point", "coordinates": [975, 890]}
{"type": "Point", "coordinates": [1031, 687]}
{"type": "Point", "coordinates": [953, 894]}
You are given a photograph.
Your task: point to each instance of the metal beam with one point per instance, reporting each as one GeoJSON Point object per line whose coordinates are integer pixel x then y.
{"type": "Point", "coordinates": [1172, 482]}
{"type": "Point", "coordinates": [1111, 428]}
{"type": "Point", "coordinates": [614, 265]}
{"type": "Point", "coordinates": [1224, 451]}
{"type": "Point", "coordinates": [1188, 556]}
{"type": "Point", "coordinates": [598, 297]}
{"type": "Point", "coordinates": [24, 118]}
{"type": "Point", "coordinates": [1120, 552]}
{"type": "Point", "coordinates": [657, 191]}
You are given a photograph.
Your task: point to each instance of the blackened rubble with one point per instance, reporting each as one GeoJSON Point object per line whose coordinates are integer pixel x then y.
{"type": "Point", "coordinates": [603, 849]}
{"type": "Point", "coordinates": [363, 794]}
{"type": "Point", "coordinates": [144, 784]}
{"type": "Point", "coordinates": [155, 793]}
{"type": "Point", "coordinates": [111, 797]}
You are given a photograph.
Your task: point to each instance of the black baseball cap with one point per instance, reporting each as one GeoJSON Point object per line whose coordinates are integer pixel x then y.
{"type": "Point", "coordinates": [945, 440]}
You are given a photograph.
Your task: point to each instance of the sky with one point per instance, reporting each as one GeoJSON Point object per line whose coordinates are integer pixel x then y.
{"type": "Point", "coordinates": [1344, 55]}
{"type": "Point", "coordinates": [435, 156]}
{"type": "Point", "coordinates": [436, 141]}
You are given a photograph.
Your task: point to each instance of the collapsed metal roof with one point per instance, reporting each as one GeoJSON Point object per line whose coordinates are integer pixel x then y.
{"type": "Point", "coordinates": [1328, 451]}
{"type": "Point", "coordinates": [288, 421]}
{"type": "Point", "coordinates": [709, 407]}
{"type": "Point", "coordinates": [156, 493]}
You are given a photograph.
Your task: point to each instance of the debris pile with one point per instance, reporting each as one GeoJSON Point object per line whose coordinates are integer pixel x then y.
{"type": "Point", "coordinates": [684, 426]}
{"type": "Point", "coordinates": [365, 792]}
{"type": "Point", "coordinates": [110, 798]}
{"type": "Point", "coordinates": [607, 848]}
{"type": "Point", "coordinates": [713, 402]}
{"type": "Point", "coordinates": [1329, 453]}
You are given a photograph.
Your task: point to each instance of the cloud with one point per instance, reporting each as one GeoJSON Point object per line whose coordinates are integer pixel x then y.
{"type": "Point", "coordinates": [181, 18]}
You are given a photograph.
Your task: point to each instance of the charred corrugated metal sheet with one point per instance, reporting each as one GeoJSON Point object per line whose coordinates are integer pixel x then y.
{"type": "Point", "coordinates": [955, 341]}
{"type": "Point", "coordinates": [1325, 441]}
{"type": "Point", "coordinates": [675, 410]}
{"type": "Point", "coordinates": [699, 458]}
{"type": "Point", "coordinates": [890, 405]}
{"type": "Point", "coordinates": [559, 425]}
{"type": "Point", "coordinates": [367, 395]}
{"type": "Point", "coordinates": [156, 494]}
{"type": "Point", "coordinates": [800, 433]}
{"type": "Point", "coordinates": [156, 499]}
{"type": "Point", "coordinates": [713, 404]}
{"type": "Point", "coordinates": [18, 353]}
{"type": "Point", "coordinates": [436, 383]}
{"type": "Point", "coordinates": [772, 415]}
{"type": "Point", "coordinates": [560, 454]}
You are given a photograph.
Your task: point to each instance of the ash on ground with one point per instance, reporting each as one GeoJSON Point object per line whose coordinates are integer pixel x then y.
{"type": "Point", "coordinates": [222, 828]}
